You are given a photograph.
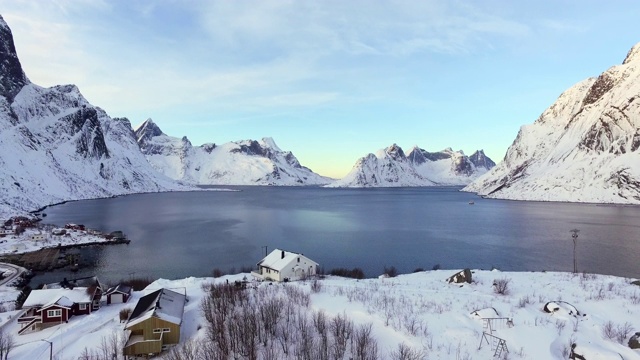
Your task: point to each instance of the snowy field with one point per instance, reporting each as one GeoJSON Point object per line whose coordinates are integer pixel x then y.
{"type": "Point", "coordinates": [432, 318]}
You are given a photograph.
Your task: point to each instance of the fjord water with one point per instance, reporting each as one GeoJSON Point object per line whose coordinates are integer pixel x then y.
{"type": "Point", "coordinates": [181, 234]}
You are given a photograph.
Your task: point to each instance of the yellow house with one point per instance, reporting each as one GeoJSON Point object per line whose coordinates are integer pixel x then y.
{"type": "Point", "coordinates": [154, 323]}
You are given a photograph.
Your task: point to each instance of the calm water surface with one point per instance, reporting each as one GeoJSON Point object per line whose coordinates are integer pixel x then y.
{"type": "Point", "coordinates": [176, 235]}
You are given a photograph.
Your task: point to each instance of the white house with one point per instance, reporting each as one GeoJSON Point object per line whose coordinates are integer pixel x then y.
{"type": "Point", "coordinates": [37, 237]}
{"type": "Point", "coordinates": [282, 265]}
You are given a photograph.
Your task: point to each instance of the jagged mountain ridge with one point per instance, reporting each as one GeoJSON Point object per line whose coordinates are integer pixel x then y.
{"type": "Point", "coordinates": [583, 148]}
{"type": "Point", "coordinates": [390, 167]}
{"type": "Point", "coordinates": [55, 146]}
{"type": "Point", "coordinates": [247, 162]}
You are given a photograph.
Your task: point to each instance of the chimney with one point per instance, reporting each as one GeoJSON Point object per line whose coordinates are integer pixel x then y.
{"type": "Point", "coordinates": [282, 256]}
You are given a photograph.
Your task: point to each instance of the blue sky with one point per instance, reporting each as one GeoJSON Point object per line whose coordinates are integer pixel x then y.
{"type": "Point", "coordinates": [329, 80]}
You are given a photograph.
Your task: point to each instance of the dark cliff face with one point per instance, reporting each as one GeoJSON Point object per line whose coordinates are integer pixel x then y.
{"type": "Point", "coordinates": [479, 159]}
{"type": "Point", "coordinates": [12, 78]}
{"type": "Point", "coordinates": [253, 148]}
{"type": "Point", "coordinates": [90, 143]}
{"type": "Point", "coordinates": [146, 131]}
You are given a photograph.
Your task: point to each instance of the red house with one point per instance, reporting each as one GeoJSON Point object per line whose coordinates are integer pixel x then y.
{"type": "Point", "coordinates": [50, 307]}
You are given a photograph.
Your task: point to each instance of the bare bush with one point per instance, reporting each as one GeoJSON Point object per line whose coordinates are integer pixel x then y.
{"type": "Point", "coordinates": [355, 273]}
{"type": "Point", "coordinates": [124, 314]}
{"type": "Point", "coordinates": [316, 286]}
{"type": "Point", "coordinates": [364, 347]}
{"type": "Point", "coordinates": [341, 329]}
{"type": "Point", "coordinates": [7, 343]}
{"type": "Point", "coordinates": [405, 352]}
{"type": "Point", "coordinates": [216, 273]}
{"type": "Point", "coordinates": [618, 333]}
{"type": "Point", "coordinates": [390, 271]}
{"type": "Point", "coordinates": [501, 286]}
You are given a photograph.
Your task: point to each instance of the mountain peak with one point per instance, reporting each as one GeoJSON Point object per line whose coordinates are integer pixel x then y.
{"type": "Point", "coordinates": [147, 130]}
{"type": "Point", "coordinates": [12, 78]}
{"type": "Point", "coordinates": [269, 142]}
{"type": "Point", "coordinates": [395, 152]}
{"type": "Point", "coordinates": [633, 54]}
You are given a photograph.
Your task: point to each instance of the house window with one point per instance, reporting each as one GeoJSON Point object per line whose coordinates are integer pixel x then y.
{"type": "Point", "coordinates": [82, 306]}
{"type": "Point", "coordinates": [54, 313]}
{"type": "Point", "coordinates": [164, 330]}
{"type": "Point", "coordinates": [298, 259]}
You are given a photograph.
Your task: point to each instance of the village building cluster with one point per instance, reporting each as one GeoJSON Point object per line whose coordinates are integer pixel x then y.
{"type": "Point", "coordinates": [155, 322]}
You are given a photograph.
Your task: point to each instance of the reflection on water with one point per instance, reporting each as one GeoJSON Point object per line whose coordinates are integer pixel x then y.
{"type": "Point", "coordinates": [176, 235]}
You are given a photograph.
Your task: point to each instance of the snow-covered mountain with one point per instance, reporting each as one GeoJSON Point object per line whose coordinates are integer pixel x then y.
{"type": "Point", "coordinates": [390, 167]}
{"type": "Point", "coordinates": [584, 148]}
{"type": "Point", "coordinates": [246, 162]}
{"type": "Point", "coordinates": [55, 146]}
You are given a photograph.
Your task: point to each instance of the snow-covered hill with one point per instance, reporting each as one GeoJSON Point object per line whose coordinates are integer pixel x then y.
{"type": "Point", "coordinates": [246, 162]}
{"type": "Point", "coordinates": [390, 167]}
{"type": "Point", "coordinates": [55, 146]}
{"type": "Point", "coordinates": [584, 148]}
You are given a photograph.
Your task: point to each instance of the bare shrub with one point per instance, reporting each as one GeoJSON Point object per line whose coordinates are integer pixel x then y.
{"type": "Point", "coordinates": [355, 273]}
{"type": "Point", "coordinates": [124, 314]}
{"type": "Point", "coordinates": [524, 301]}
{"type": "Point", "coordinates": [364, 345]}
{"type": "Point", "coordinates": [417, 270]}
{"type": "Point", "coordinates": [436, 267]}
{"type": "Point", "coordinates": [405, 352]}
{"type": "Point", "coordinates": [216, 273]}
{"type": "Point", "coordinates": [316, 286]}
{"type": "Point", "coordinates": [390, 271]}
{"type": "Point", "coordinates": [618, 333]}
{"type": "Point", "coordinates": [341, 330]}
{"type": "Point", "coordinates": [501, 286]}
{"type": "Point", "coordinates": [7, 343]}
{"type": "Point", "coordinates": [189, 350]}
{"type": "Point", "coordinates": [623, 332]}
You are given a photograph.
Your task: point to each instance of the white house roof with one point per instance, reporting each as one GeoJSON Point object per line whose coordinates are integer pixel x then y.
{"type": "Point", "coordinates": [164, 304]}
{"type": "Point", "coordinates": [279, 259]}
{"type": "Point", "coordinates": [62, 297]}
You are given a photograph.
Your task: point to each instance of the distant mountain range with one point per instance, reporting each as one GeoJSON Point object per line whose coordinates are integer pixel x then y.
{"type": "Point", "coordinates": [583, 148]}
{"type": "Point", "coordinates": [390, 167]}
{"type": "Point", "coordinates": [246, 162]}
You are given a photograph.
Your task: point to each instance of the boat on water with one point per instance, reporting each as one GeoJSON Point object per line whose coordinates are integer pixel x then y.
{"type": "Point", "coordinates": [471, 202]}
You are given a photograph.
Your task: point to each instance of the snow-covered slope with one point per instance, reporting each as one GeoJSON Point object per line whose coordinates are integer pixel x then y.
{"type": "Point", "coordinates": [584, 148]}
{"type": "Point", "coordinates": [431, 318]}
{"type": "Point", "coordinates": [55, 146]}
{"type": "Point", "coordinates": [247, 162]}
{"type": "Point", "coordinates": [390, 167]}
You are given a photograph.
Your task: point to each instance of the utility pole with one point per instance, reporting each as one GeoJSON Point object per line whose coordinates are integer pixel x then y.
{"type": "Point", "coordinates": [265, 250]}
{"type": "Point", "coordinates": [574, 235]}
{"type": "Point", "coordinates": [50, 348]}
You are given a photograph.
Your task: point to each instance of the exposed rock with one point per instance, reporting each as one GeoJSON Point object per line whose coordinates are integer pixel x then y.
{"type": "Point", "coordinates": [13, 78]}
{"type": "Point", "coordinates": [461, 277]}
{"type": "Point", "coordinates": [634, 341]}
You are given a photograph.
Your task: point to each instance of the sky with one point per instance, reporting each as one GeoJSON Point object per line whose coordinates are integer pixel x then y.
{"type": "Point", "coordinates": [329, 80]}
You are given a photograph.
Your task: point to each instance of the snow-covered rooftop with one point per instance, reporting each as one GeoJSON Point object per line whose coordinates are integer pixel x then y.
{"type": "Point", "coordinates": [165, 304]}
{"type": "Point", "coordinates": [279, 259]}
{"type": "Point", "coordinates": [48, 297]}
